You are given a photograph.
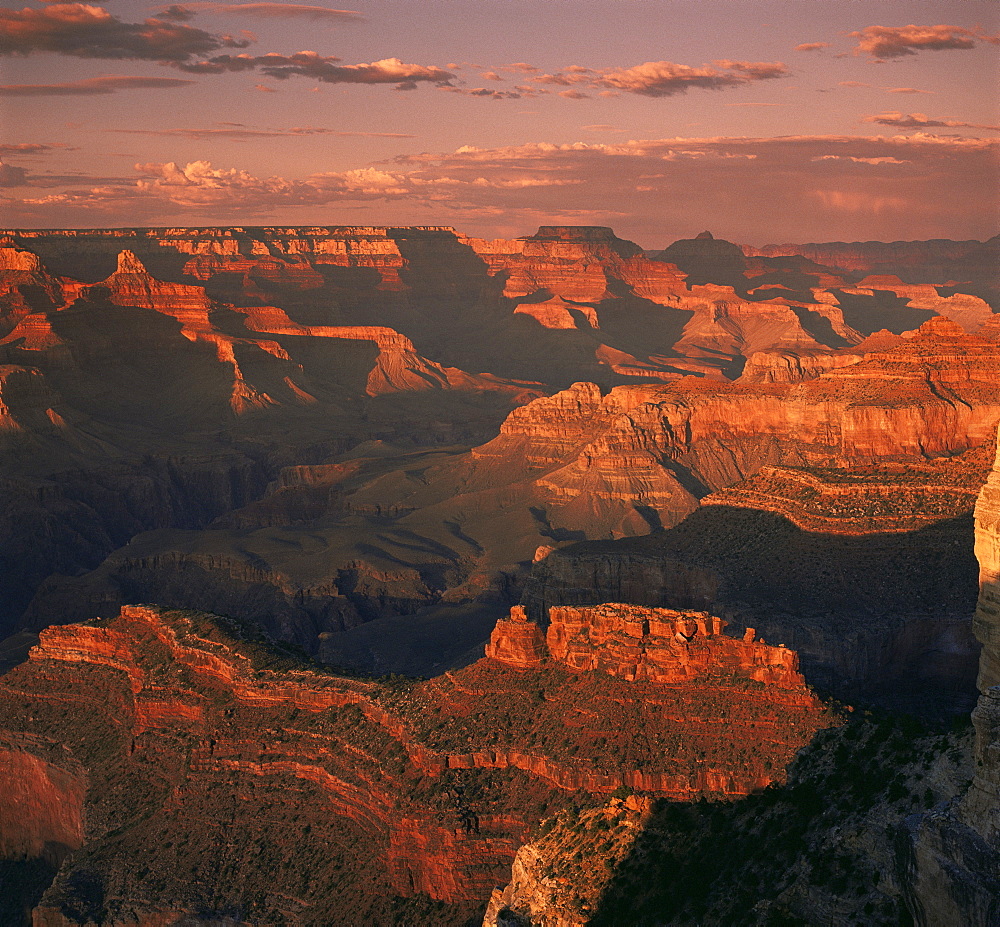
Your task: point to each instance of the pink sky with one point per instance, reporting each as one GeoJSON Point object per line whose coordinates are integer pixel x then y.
{"type": "Point", "coordinates": [764, 121]}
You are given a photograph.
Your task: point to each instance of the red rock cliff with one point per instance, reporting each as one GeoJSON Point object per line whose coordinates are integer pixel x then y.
{"type": "Point", "coordinates": [343, 794]}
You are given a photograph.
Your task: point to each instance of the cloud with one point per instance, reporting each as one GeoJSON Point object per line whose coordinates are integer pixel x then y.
{"type": "Point", "coordinates": [484, 92]}
{"type": "Point", "coordinates": [92, 86]}
{"type": "Point", "coordinates": [322, 68]}
{"type": "Point", "coordinates": [76, 179]}
{"type": "Point", "coordinates": [922, 121]}
{"type": "Point", "coordinates": [176, 13]}
{"type": "Point", "coordinates": [30, 148]}
{"type": "Point", "coordinates": [367, 182]}
{"type": "Point", "coordinates": [811, 46]}
{"type": "Point", "coordinates": [665, 78]}
{"type": "Point", "coordinates": [269, 10]}
{"type": "Point", "coordinates": [883, 42]}
{"type": "Point", "coordinates": [199, 184]}
{"type": "Point", "coordinates": [800, 188]}
{"type": "Point", "coordinates": [11, 176]}
{"type": "Point", "coordinates": [86, 31]}
{"type": "Point", "coordinates": [858, 83]}
{"type": "Point", "coordinates": [520, 67]}
{"type": "Point", "coordinates": [917, 185]}
{"type": "Point", "coordinates": [873, 161]}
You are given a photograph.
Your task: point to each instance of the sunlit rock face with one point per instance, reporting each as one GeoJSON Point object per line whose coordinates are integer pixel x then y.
{"type": "Point", "coordinates": [987, 618]}
{"type": "Point", "coordinates": [952, 863]}
{"type": "Point", "coordinates": [633, 642]}
{"type": "Point", "coordinates": [139, 736]}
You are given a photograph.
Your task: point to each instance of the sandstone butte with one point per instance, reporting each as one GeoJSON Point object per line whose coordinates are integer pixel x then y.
{"type": "Point", "coordinates": [253, 784]}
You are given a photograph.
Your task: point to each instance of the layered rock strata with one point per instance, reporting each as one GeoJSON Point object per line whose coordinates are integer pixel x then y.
{"type": "Point", "coordinates": [657, 644]}
{"type": "Point", "coordinates": [291, 346]}
{"type": "Point", "coordinates": [892, 498]}
{"type": "Point", "coordinates": [148, 730]}
{"type": "Point", "coordinates": [864, 450]}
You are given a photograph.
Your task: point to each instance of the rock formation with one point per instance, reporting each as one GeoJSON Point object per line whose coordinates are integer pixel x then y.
{"type": "Point", "coordinates": [319, 428]}
{"type": "Point", "coordinates": [867, 571]}
{"type": "Point", "coordinates": [952, 863]}
{"type": "Point", "coordinates": [847, 451]}
{"type": "Point", "coordinates": [267, 348]}
{"type": "Point", "coordinates": [150, 730]}
{"type": "Point", "coordinates": [580, 263]}
{"type": "Point", "coordinates": [894, 497]}
{"type": "Point", "coordinates": [658, 644]}
{"type": "Point", "coordinates": [987, 618]}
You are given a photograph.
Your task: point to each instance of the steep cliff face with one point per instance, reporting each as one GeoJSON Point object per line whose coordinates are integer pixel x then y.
{"type": "Point", "coordinates": [819, 849]}
{"type": "Point", "coordinates": [663, 645]}
{"type": "Point", "coordinates": [42, 811]}
{"type": "Point", "coordinates": [987, 618]}
{"type": "Point", "coordinates": [558, 880]}
{"type": "Point", "coordinates": [25, 285]}
{"type": "Point", "coordinates": [287, 346]}
{"type": "Point", "coordinates": [866, 571]}
{"type": "Point", "coordinates": [953, 859]}
{"type": "Point", "coordinates": [659, 448]}
{"type": "Point", "coordinates": [132, 285]}
{"type": "Point", "coordinates": [161, 725]}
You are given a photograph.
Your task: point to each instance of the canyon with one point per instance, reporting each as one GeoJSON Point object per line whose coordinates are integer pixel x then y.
{"type": "Point", "coordinates": [334, 455]}
{"type": "Point", "coordinates": [143, 733]}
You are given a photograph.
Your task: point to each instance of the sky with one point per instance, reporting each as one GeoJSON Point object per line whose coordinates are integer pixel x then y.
{"type": "Point", "coordinates": [764, 121]}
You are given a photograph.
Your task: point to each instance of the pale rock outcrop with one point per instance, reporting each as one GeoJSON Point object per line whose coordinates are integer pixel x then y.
{"type": "Point", "coordinates": [952, 863]}
{"type": "Point", "coordinates": [987, 619]}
